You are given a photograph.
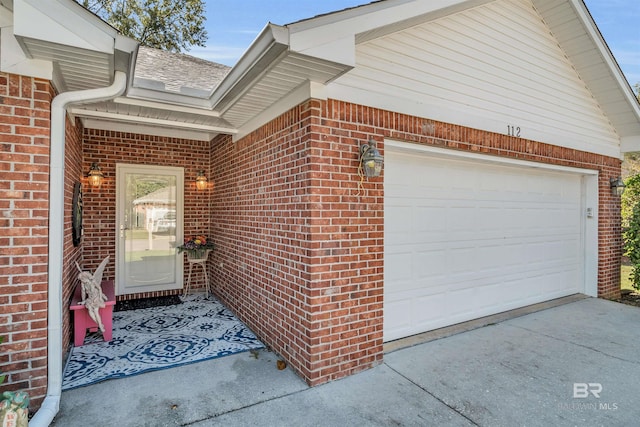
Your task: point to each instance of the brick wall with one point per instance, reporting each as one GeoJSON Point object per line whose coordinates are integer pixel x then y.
{"type": "Point", "coordinates": [290, 268]}
{"type": "Point", "coordinates": [300, 255]}
{"type": "Point", "coordinates": [71, 254]}
{"type": "Point", "coordinates": [300, 247]}
{"type": "Point", "coordinates": [24, 164]}
{"type": "Point", "coordinates": [108, 148]}
{"type": "Point", "coordinates": [301, 251]}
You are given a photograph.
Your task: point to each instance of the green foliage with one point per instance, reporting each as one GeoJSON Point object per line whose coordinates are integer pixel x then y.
{"type": "Point", "coordinates": [632, 245]}
{"type": "Point", "coordinates": [147, 187]}
{"type": "Point", "coordinates": [631, 164]}
{"type": "Point", "coordinates": [171, 25]}
{"type": "Point", "coordinates": [630, 198]}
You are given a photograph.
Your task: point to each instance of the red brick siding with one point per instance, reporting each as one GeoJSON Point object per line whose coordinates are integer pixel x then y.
{"type": "Point", "coordinates": [71, 254]}
{"type": "Point", "coordinates": [24, 164]}
{"type": "Point", "coordinates": [261, 217]}
{"type": "Point", "coordinates": [108, 148]}
{"type": "Point", "coordinates": [300, 255]}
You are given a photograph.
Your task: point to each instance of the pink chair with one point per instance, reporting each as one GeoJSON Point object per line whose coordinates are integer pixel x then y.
{"type": "Point", "coordinates": [81, 318]}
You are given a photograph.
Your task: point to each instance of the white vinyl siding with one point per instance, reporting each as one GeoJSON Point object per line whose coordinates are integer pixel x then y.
{"type": "Point", "coordinates": [487, 68]}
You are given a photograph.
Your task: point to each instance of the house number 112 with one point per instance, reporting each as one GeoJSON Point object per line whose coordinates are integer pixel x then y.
{"type": "Point", "coordinates": [513, 131]}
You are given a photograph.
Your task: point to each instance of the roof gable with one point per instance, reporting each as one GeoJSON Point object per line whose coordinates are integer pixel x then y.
{"type": "Point", "coordinates": [567, 20]}
{"type": "Point", "coordinates": [489, 67]}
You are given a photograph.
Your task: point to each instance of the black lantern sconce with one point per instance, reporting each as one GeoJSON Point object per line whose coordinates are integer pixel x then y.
{"type": "Point", "coordinates": [371, 160]}
{"type": "Point", "coordinates": [95, 175]}
{"type": "Point", "coordinates": [617, 186]}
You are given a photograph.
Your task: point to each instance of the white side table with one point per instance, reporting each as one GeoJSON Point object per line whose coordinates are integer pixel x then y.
{"type": "Point", "coordinates": [201, 261]}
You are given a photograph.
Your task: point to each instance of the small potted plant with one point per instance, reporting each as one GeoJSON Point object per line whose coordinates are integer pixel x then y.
{"type": "Point", "coordinates": [196, 247]}
{"type": "Point", "coordinates": [14, 406]}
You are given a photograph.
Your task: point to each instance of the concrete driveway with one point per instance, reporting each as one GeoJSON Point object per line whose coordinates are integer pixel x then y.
{"type": "Point", "coordinates": [574, 364]}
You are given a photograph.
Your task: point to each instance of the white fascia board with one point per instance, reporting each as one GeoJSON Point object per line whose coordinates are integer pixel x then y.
{"type": "Point", "coordinates": [317, 36]}
{"type": "Point", "coordinates": [167, 97]}
{"type": "Point", "coordinates": [126, 44]}
{"type": "Point", "coordinates": [80, 112]}
{"type": "Point", "coordinates": [269, 44]}
{"type": "Point", "coordinates": [13, 59]}
{"type": "Point", "coordinates": [63, 22]}
{"type": "Point", "coordinates": [126, 51]}
{"type": "Point", "coordinates": [607, 56]}
{"type": "Point", "coordinates": [165, 106]}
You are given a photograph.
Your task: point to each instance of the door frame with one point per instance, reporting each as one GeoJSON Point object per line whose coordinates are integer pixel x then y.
{"type": "Point", "coordinates": [121, 169]}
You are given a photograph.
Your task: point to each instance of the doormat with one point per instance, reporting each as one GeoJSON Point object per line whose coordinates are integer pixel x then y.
{"type": "Point", "coordinates": [157, 338]}
{"type": "Point", "coordinates": [136, 304]}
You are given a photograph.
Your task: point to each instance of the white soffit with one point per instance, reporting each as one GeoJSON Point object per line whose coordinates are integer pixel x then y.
{"type": "Point", "coordinates": [78, 69]}
{"type": "Point", "coordinates": [288, 73]}
{"type": "Point", "coordinates": [81, 47]}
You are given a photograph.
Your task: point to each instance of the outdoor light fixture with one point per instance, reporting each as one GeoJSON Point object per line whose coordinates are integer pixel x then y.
{"type": "Point", "coordinates": [617, 186]}
{"type": "Point", "coordinates": [370, 159]}
{"type": "Point", "coordinates": [95, 175]}
{"type": "Point", "coordinates": [201, 181]}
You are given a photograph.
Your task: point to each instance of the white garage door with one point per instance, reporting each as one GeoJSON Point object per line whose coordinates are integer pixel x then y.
{"type": "Point", "coordinates": [466, 239]}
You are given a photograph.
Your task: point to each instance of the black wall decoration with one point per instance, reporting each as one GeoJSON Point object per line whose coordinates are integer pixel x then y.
{"type": "Point", "coordinates": [76, 213]}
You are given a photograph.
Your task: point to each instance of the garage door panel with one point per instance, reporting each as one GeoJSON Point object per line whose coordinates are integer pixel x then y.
{"type": "Point", "coordinates": [476, 239]}
{"type": "Point", "coordinates": [430, 263]}
{"type": "Point", "coordinates": [400, 266]}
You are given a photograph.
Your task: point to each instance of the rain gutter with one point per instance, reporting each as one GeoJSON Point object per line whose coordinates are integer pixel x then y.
{"type": "Point", "coordinates": [51, 404]}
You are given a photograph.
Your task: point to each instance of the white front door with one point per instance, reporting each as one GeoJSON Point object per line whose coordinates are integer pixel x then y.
{"type": "Point", "coordinates": [466, 239]}
{"type": "Point", "coordinates": [149, 211]}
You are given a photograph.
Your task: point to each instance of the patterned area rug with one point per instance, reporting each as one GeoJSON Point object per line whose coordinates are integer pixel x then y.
{"type": "Point", "coordinates": [159, 338]}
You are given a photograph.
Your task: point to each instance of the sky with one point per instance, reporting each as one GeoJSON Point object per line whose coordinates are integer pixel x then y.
{"type": "Point", "coordinates": [233, 24]}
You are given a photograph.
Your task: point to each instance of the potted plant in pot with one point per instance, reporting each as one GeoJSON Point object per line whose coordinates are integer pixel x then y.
{"type": "Point", "coordinates": [196, 247]}
{"type": "Point", "coordinates": [14, 406]}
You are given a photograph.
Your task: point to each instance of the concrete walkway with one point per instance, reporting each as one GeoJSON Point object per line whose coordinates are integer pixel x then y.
{"type": "Point", "coordinates": [531, 370]}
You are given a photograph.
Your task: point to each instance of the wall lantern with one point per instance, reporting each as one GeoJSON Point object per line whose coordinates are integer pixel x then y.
{"type": "Point", "coordinates": [370, 160]}
{"type": "Point", "coordinates": [95, 175]}
{"type": "Point", "coordinates": [617, 186]}
{"type": "Point", "coordinates": [201, 181]}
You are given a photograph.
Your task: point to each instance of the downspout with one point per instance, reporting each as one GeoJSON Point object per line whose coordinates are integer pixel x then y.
{"type": "Point", "coordinates": [51, 404]}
